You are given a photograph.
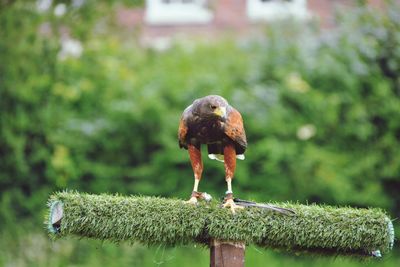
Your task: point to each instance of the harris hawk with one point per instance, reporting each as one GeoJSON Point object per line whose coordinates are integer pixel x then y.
{"type": "Point", "coordinates": [213, 122]}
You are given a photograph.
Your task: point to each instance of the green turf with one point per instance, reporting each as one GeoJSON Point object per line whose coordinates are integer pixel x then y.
{"type": "Point", "coordinates": [153, 220]}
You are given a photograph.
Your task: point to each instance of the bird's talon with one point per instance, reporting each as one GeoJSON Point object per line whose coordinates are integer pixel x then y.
{"type": "Point", "coordinates": [192, 201]}
{"type": "Point", "coordinates": [232, 205]}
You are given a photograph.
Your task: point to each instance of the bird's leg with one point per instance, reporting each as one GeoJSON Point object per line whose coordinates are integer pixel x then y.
{"type": "Point", "coordinates": [229, 203]}
{"type": "Point", "coordinates": [197, 165]}
{"type": "Point", "coordinates": [230, 166]}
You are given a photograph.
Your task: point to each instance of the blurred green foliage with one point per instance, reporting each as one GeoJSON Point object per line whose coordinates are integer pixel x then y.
{"type": "Point", "coordinates": [321, 110]}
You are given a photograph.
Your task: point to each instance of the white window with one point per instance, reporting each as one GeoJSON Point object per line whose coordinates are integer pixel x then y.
{"type": "Point", "coordinates": [177, 12]}
{"type": "Point", "coordinates": [268, 10]}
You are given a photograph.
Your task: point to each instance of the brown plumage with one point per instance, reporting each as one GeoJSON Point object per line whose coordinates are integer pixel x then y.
{"type": "Point", "coordinates": [212, 121]}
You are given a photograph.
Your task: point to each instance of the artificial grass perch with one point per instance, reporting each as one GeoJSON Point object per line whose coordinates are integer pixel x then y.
{"type": "Point", "coordinates": [154, 220]}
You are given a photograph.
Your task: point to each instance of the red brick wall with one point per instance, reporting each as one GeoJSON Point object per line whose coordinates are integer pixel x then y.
{"type": "Point", "coordinates": [230, 14]}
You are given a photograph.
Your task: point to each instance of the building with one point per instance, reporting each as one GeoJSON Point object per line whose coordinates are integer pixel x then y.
{"type": "Point", "coordinates": [165, 19]}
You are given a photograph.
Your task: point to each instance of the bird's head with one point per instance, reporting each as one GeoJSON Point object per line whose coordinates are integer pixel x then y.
{"type": "Point", "coordinates": [213, 106]}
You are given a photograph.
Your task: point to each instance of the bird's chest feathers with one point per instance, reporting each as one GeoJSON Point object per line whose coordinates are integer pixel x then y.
{"type": "Point", "coordinates": [207, 131]}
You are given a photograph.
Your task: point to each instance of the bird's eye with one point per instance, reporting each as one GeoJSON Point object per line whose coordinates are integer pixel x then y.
{"type": "Point", "coordinates": [213, 106]}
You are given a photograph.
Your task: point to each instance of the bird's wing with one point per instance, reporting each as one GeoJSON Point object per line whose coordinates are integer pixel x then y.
{"type": "Point", "coordinates": [182, 131]}
{"type": "Point", "coordinates": [234, 128]}
{"type": "Point", "coordinates": [183, 128]}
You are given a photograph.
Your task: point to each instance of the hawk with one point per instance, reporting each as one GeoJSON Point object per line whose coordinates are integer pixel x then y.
{"type": "Point", "coordinates": [213, 122]}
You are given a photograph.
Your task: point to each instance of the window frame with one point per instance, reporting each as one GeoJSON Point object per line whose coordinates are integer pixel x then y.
{"type": "Point", "coordinates": [270, 10]}
{"type": "Point", "coordinates": [177, 12]}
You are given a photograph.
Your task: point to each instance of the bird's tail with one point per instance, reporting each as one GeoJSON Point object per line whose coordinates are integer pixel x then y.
{"type": "Point", "coordinates": [220, 157]}
{"type": "Point", "coordinates": [216, 152]}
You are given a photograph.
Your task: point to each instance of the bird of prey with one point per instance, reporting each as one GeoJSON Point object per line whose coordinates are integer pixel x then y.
{"type": "Point", "coordinates": [213, 122]}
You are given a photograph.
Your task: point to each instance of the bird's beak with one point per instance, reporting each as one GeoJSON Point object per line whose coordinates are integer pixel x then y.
{"type": "Point", "coordinates": [220, 112]}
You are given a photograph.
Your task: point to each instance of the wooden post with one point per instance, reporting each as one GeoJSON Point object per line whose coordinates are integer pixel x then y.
{"type": "Point", "coordinates": [226, 254]}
